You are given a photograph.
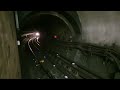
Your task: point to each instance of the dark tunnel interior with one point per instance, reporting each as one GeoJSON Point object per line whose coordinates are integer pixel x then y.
{"type": "Point", "coordinates": [52, 28]}
{"type": "Point", "coordinates": [50, 48]}
{"type": "Point", "coordinates": [48, 26]}
{"type": "Point", "coordinates": [59, 45]}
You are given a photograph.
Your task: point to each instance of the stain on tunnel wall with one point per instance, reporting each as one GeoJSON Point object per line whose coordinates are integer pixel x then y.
{"type": "Point", "coordinates": [9, 58]}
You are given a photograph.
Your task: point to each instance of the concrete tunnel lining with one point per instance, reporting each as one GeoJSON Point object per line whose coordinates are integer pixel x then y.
{"type": "Point", "coordinates": [71, 55]}
{"type": "Point", "coordinates": [9, 56]}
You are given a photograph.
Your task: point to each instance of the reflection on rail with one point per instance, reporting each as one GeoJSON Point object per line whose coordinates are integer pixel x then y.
{"type": "Point", "coordinates": [59, 64]}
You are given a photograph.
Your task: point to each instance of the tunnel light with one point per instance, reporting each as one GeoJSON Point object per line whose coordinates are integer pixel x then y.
{"type": "Point", "coordinates": [66, 76]}
{"type": "Point", "coordinates": [18, 42]}
{"type": "Point", "coordinates": [53, 65]}
{"type": "Point", "coordinates": [55, 36]}
{"type": "Point", "coordinates": [37, 34]}
{"type": "Point", "coordinates": [57, 55]}
{"type": "Point", "coordinates": [73, 63]}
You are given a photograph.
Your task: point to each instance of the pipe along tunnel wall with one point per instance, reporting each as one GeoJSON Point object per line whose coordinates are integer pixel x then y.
{"type": "Point", "coordinates": [9, 58]}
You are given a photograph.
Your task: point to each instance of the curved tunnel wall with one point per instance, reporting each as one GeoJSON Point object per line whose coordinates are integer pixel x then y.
{"type": "Point", "coordinates": [100, 27]}
{"type": "Point", "coordinates": [95, 26]}
{"type": "Point", "coordinates": [9, 59]}
{"type": "Point", "coordinates": [70, 17]}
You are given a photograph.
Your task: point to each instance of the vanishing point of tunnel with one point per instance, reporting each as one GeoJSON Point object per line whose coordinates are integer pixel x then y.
{"type": "Point", "coordinates": [59, 45]}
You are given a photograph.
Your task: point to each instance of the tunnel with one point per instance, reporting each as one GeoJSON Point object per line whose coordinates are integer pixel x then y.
{"type": "Point", "coordinates": [52, 26]}
{"type": "Point", "coordinates": [52, 22]}
{"type": "Point", "coordinates": [59, 45]}
{"type": "Point", "coordinates": [58, 51]}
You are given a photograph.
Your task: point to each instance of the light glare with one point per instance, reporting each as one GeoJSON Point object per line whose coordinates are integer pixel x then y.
{"type": "Point", "coordinates": [37, 34]}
